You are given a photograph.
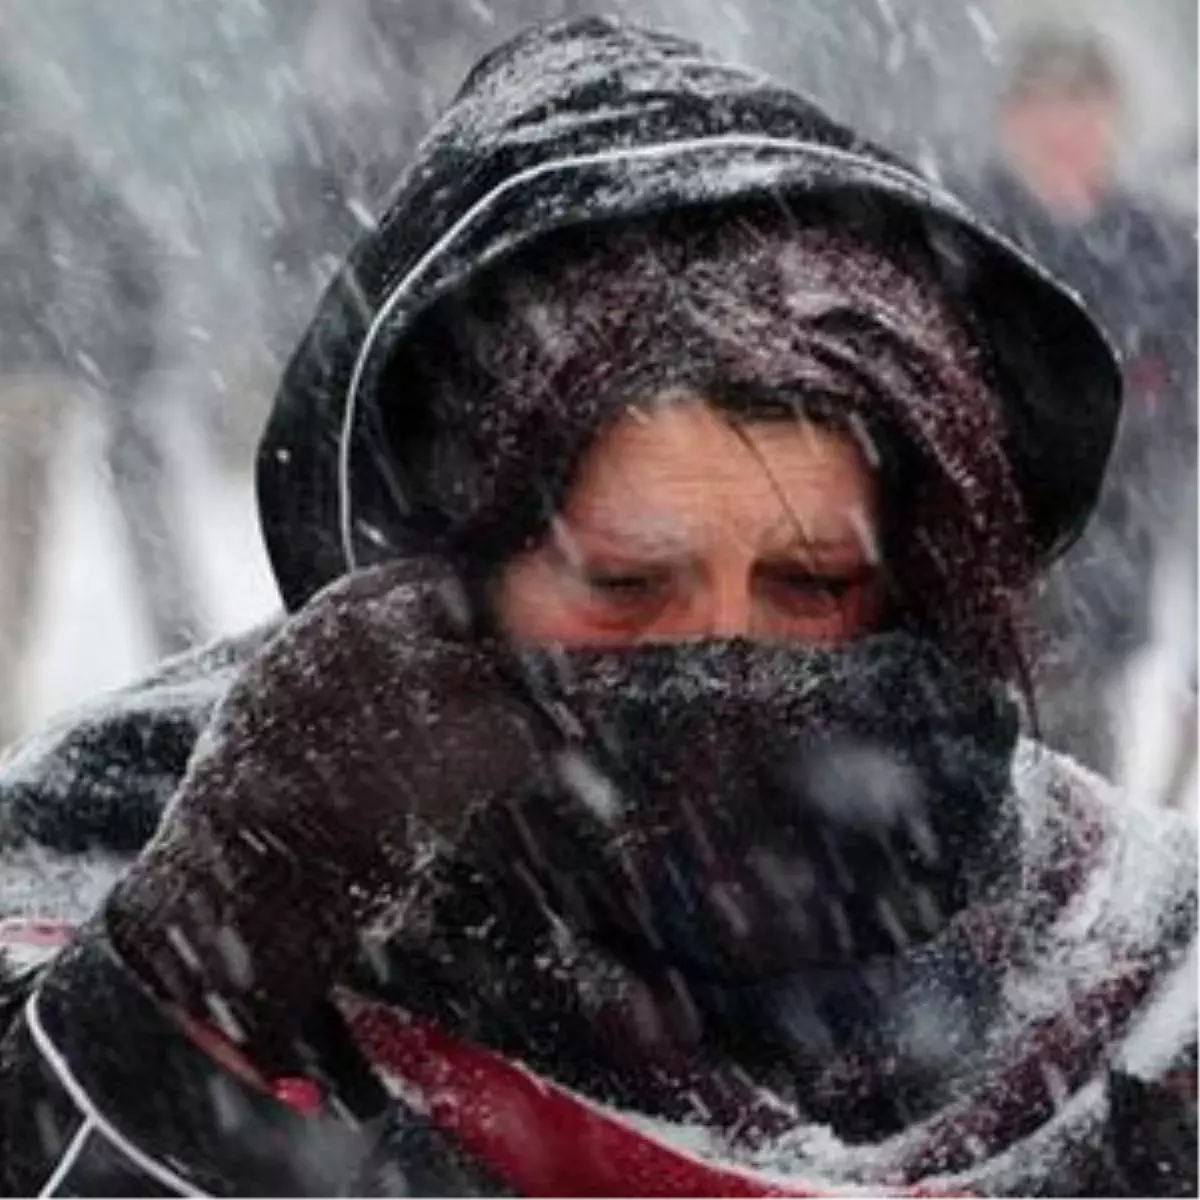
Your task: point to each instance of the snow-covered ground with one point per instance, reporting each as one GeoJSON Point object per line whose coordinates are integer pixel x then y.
{"type": "Point", "coordinates": [87, 637]}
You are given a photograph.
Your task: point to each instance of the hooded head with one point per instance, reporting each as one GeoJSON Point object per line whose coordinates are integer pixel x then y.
{"type": "Point", "coordinates": [558, 140]}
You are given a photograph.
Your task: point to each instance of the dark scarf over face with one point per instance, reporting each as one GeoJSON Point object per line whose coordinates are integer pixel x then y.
{"type": "Point", "coordinates": [749, 853]}
{"type": "Point", "coordinates": [769, 892]}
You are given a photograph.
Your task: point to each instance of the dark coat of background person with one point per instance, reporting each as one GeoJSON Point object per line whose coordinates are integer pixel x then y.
{"type": "Point", "coordinates": [1135, 267]}
{"type": "Point", "coordinates": [1133, 263]}
{"type": "Point", "coordinates": [78, 802]}
{"type": "Point", "coordinates": [81, 287]}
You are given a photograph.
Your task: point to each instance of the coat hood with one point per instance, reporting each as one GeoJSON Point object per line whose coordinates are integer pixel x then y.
{"type": "Point", "coordinates": [592, 121]}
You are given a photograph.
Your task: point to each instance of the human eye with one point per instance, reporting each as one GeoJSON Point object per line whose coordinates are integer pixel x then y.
{"type": "Point", "coordinates": [809, 583]}
{"type": "Point", "coordinates": [624, 584]}
{"type": "Point", "coordinates": [818, 602]}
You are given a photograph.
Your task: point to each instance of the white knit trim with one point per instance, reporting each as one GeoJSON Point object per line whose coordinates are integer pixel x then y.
{"type": "Point", "coordinates": [95, 1121]}
{"type": "Point", "coordinates": [69, 1158]}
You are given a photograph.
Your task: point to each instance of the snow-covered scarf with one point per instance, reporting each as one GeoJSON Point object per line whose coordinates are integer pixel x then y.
{"type": "Point", "coordinates": [976, 1061]}
{"type": "Point", "coordinates": [1095, 975]}
{"type": "Point", "coordinates": [1094, 1043]}
{"type": "Point", "coordinates": [1100, 1023]}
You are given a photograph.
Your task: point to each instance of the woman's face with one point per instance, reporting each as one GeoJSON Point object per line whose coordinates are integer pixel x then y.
{"type": "Point", "coordinates": [681, 525]}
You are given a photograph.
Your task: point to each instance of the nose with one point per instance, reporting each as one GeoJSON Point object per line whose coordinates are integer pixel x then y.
{"type": "Point", "coordinates": [729, 605]}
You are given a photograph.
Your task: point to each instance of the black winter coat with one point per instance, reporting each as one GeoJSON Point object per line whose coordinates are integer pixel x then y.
{"type": "Point", "coordinates": [85, 1115]}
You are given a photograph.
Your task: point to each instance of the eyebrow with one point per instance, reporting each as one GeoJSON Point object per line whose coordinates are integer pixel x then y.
{"type": "Point", "coordinates": [637, 540]}
{"type": "Point", "coordinates": [811, 540]}
{"type": "Point", "coordinates": [786, 536]}
{"type": "Point", "coordinates": [635, 537]}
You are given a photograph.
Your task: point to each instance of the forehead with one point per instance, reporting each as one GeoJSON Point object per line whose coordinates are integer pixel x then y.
{"type": "Point", "coordinates": [679, 467]}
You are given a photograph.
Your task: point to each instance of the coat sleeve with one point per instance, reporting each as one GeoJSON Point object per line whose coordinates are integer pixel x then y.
{"type": "Point", "coordinates": [78, 1038]}
{"type": "Point", "coordinates": [101, 1094]}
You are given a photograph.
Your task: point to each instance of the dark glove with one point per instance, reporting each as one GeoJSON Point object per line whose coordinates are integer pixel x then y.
{"type": "Point", "coordinates": [348, 755]}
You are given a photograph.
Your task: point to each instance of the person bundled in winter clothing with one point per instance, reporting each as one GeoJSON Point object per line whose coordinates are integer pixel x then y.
{"type": "Point", "coordinates": [633, 800]}
{"type": "Point", "coordinates": [1054, 189]}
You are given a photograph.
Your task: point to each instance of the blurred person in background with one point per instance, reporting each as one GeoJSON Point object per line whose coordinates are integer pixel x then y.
{"type": "Point", "coordinates": [1054, 188]}
{"type": "Point", "coordinates": [80, 290]}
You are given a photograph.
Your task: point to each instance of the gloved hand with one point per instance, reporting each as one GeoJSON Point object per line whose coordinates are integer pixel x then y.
{"type": "Point", "coordinates": [352, 749]}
